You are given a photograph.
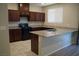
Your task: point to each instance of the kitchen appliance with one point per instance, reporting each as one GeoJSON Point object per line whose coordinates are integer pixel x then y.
{"type": "Point", "coordinates": [25, 29]}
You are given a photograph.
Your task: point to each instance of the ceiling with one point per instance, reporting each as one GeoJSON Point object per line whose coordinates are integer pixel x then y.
{"type": "Point", "coordinates": [42, 4]}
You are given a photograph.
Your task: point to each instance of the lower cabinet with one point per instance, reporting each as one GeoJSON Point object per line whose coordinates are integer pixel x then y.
{"type": "Point", "coordinates": [15, 35]}
{"type": "Point", "coordinates": [34, 43]}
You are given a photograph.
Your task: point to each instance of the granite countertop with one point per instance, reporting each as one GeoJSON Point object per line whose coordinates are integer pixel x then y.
{"type": "Point", "coordinates": [14, 27]}
{"type": "Point", "coordinates": [58, 31]}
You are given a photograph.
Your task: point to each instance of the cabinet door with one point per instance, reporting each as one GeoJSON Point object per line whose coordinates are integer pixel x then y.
{"type": "Point", "coordinates": [32, 16]}
{"type": "Point", "coordinates": [34, 43]}
{"type": "Point", "coordinates": [11, 35]}
{"type": "Point", "coordinates": [35, 16]}
{"type": "Point", "coordinates": [17, 33]}
{"type": "Point", "coordinates": [38, 16]}
{"type": "Point", "coordinates": [10, 16]}
{"type": "Point", "coordinates": [13, 15]}
{"type": "Point", "coordinates": [16, 16]}
{"type": "Point", "coordinates": [43, 17]}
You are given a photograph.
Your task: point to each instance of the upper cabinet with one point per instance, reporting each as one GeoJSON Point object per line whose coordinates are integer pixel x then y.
{"type": "Point", "coordinates": [36, 16]}
{"type": "Point", "coordinates": [43, 17]}
{"type": "Point", "coordinates": [13, 15]}
{"type": "Point", "coordinates": [24, 9]}
{"type": "Point", "coordinates": [32, 16]}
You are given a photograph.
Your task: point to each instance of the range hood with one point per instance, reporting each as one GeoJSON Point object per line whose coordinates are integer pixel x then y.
{"type": "Point", "coordinates": [23, 15]}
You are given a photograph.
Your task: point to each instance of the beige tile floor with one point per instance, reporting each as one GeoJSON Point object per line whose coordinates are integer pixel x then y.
{"type": "Point", "coordinates": [21, 48]}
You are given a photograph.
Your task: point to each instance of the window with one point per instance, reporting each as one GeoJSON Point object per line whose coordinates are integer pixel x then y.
{"type": "Point", "coordinates": [55, 15]}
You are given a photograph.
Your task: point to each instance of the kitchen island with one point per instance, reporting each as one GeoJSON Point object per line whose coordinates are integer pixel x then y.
{"type": "Point", "coordinates": [46, 42]}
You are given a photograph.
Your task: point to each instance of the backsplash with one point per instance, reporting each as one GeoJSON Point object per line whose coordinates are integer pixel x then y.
{"type": "Point", "coordinates": [31, 24]}
{"type": "Point", "coordinates": [23, 20]}
{"type": "Point", "coordinates": [13, 24]}
{"type": "Point", "coordinates": [35, 24]}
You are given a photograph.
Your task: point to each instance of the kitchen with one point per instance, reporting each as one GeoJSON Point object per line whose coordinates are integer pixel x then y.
{"type": "Point", "coordinates": [30, 18]}
{"type": "Point", "coordinates": [33, 21]}
{"type": "Point", "coordinates": [31, 27]}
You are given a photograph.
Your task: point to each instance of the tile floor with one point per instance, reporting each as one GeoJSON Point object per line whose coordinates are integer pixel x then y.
{"type": "Point", "coordinates": [21, 48]}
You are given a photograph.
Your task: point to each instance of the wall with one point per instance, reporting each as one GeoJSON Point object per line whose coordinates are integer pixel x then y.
{"type": "Point", "coordinates": [4, 34]}
{"type": "Point", "coordinates": [35, 8]}
{"type": "Point", "coordinates": [70, 15]}
{"type": "Point", "coordinates": [36, 24]}
{"type": "Point", "coordinates": [78, 15]}
{"type": "Point", "coordinates": [32, 7]}
{"type": "Point", "coordinates": [13, 6]}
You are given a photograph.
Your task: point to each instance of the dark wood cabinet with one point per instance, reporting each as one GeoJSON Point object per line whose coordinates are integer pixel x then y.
{"type": "Point", "coordinates": [40, 16]}
{"type": "Point", "coordinates": [15, 35]}
{"type": "Point", "coordinates": [43, 17]}
{"type": "Point", "coordinates": [34, 43]}
{"type": "Point", "coordinates": [11, 35]}
{"type": "Point", "coordinates": [13, 15]}
{"type": "Point", "coordinates": [36, 16]}
{"type": "Point", "coordinates": [24, 9]}
{"type": "Point", "coordinates": [32, 16]}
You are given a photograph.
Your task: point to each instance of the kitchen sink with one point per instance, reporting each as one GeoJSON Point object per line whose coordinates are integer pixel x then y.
{"type": "Point", "coordinates": [51, 29]}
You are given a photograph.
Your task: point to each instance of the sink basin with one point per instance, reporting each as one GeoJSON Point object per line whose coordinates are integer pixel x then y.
{"type": "Point", "coordinates": [51, 29]}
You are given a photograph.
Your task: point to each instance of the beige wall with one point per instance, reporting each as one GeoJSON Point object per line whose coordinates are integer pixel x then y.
{"type": "Point", "coordinates": [13, 6]}
{"type": "Point", "coordinates": [35, 8]}
{"type": "Point", "coordinates": [70, 15]}
{"type": "Point", "coordinates": [4, 34]}
{"type": "Point", "coordinates": [78, 15]}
